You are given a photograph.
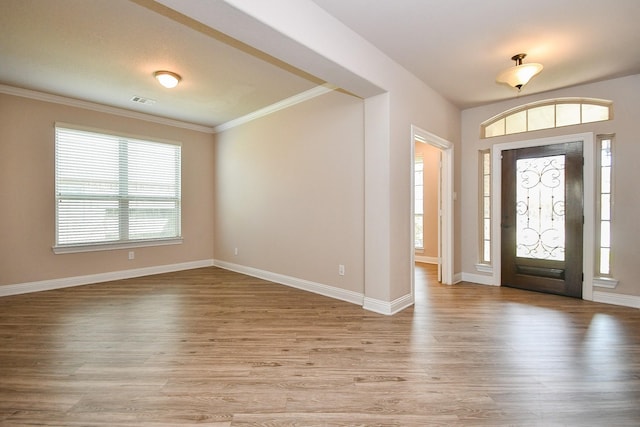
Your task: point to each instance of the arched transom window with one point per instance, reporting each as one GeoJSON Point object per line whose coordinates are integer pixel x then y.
{"type": "Point", "coordinates": [547, 114]}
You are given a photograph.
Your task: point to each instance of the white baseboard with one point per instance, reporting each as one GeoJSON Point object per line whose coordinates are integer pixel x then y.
{"type": "Point", "coordinates": [388, 308]}
{"type": "Point", "coordinates": [598, 296]}
{"type": "Point", "coordinates": [616, 299]}
{"type": "Point", "coordinates": [305, 285]}
{"type": "Point", "coordinates": [371, 304]}
{"type": "Point", "coordinates": [426, 259]}
{"type": "Point", "coordinates": [478, 278]}
{"type": "Point", "coordinates": [67, 282]}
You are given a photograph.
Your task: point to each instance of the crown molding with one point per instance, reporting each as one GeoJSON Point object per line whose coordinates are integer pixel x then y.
{"type": "Point", "coordinates": [87, 105]}
{"type": "Point", "coordinates": [270, 109]}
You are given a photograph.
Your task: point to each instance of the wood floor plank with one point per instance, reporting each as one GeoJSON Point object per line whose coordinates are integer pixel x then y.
{"type": "Point", "coordinates": [215, 348]}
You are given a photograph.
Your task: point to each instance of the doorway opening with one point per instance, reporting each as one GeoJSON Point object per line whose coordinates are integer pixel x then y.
{"type": "Point", "coordinates": [427, 202]}
{"type": "Point", "coordinates": [444, 214]}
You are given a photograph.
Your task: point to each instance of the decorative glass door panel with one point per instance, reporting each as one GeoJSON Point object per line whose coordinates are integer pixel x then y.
{"type": "Point", "coordinates": [540, 208]}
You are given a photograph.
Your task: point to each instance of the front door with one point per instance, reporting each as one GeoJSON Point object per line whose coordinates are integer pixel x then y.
{"type": "Point", "coordinates": [542, 218]}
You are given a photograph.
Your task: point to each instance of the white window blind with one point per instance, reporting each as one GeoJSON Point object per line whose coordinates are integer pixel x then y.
{"type": "Point", "coordinates": [114, 190]}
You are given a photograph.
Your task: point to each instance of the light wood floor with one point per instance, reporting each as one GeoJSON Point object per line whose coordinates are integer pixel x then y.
{"type": "Point", "coordinates": [215, 348]}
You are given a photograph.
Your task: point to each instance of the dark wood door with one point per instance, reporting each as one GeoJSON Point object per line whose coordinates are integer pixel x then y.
{"type": "Point", "coordinates": [542, 218]}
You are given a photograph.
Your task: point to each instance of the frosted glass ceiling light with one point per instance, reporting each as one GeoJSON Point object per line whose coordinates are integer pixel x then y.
{"type": "Point", "coordinates": [518, 75]}
{"type": "Point", "coordinates": [167, 78]}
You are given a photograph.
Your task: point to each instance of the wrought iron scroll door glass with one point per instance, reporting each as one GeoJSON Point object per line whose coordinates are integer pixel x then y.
{"type": "Point", "coordinates": [542, 218]}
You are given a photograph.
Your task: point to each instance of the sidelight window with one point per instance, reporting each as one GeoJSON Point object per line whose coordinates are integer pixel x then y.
{"type": "Point", "coordinates": [485, 207]}
{"type": "Point", "coordinates": [605, 205]}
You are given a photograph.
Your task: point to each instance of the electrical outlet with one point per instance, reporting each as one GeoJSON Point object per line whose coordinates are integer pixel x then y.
{"type": "Point", "coordinates": [235, 251]}
{"type": "Point", "coordinates": [132, 255]}
{"type": "Point", "coordinates": [341, 270]}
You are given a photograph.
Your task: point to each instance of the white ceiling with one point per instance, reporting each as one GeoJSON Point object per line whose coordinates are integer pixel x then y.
{"type": "Point", "coordinates": [105, 51]}
{"type": "Point", "coordinates": [459, 46]}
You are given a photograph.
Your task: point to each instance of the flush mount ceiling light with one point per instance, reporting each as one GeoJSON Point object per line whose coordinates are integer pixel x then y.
{"type": "Point", "coordinates": [167, 78]}
{"type": "Point", "coordinates": [518, 75]}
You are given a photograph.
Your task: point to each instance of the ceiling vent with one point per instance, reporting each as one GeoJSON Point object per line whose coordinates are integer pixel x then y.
{"type": "Point", "coordinates": [141, 100]}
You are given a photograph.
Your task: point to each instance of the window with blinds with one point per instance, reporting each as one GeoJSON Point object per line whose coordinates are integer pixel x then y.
{"type": "Point", "coordinates": [114, 191]}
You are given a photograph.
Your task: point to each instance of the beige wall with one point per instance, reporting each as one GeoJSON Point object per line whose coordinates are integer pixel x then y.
{"type": "Point", "coordinates": [625, 226]}
{"type": "Point", "coordinates": [416, 104]}
{"type": "Point", "coordinates": [431, 180]}
{"type": "Point", "coordinates": [306, 37]}
{"type": "Point", "coordinates": [290, 189]}
{"type": "Point", "coordinates": [27, 213]}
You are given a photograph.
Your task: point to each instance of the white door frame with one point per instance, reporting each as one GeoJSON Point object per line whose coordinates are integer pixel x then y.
{"type": "Point", "coordinates": [445, 253]}
{"type": "Point", "coordinates": [588, 232]}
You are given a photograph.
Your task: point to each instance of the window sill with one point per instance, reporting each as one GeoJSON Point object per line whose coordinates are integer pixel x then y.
{"type": "Point", "coordinates": [605, 282]}
{"type": "Point", "coordinates": [484, 268]}
{"type": "Point", "coordinates": [114, 246]}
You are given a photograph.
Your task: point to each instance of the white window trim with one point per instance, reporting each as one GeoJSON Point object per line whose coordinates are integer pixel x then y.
{"type": "Point", "coordinates": [603, 281]}
{"type": "Point", "coordinates": [481, 236]}
{"type": "Point", "coordinates": [484, 268]}
{"type": "Point", "coordinates": [95, 247]}
{"type": "Point", "coordinates": [106, 246]}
